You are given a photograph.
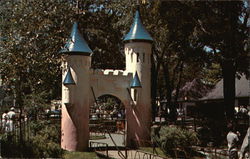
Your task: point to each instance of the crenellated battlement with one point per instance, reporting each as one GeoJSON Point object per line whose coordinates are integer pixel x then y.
{"type": "Point", "coordinates": [110, 72]}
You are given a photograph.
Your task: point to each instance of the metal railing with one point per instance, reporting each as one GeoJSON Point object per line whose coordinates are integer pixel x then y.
{"type": "Point", "coordinates": [144, 155]}
{"type": "Point", "coordinates": [119, 151]}
{"type": "Point", "coordinates": [216, 152]}
{"type": "Point", "coordinates": [99, 146]}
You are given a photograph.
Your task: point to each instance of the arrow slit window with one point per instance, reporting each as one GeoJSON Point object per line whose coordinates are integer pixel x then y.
{"type": "Point", "coordinates": [135, 94]}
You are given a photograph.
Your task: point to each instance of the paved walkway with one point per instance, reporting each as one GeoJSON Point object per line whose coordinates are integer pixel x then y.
{"type": "Point", "coordinates": [118, 138]}
{"type": "Point", "coordinates": [131, 154]}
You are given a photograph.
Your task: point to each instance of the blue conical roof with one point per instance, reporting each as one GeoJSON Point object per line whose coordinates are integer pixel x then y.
{"type": "Point", "coordinates": [68, 80]}
{"type": "Point", "coordinates": [137, 31]}
{"type": "Point", "coordinates": [76, 44]}
{"type": "Point", "coordinates": [135, 83]}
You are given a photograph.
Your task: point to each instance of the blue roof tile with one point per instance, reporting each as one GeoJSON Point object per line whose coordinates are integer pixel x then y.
{"type": "Point", "coordinates": [135, 83]}
{"type": "Point", "coordinates": [76, 44]}
{"type": "Point", "coordinates": [68, 80]}
{"type": "Point", "coordinates": [137, 31]}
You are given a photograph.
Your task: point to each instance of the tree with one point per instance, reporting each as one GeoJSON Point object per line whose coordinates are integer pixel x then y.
{"type": "Point", "coordinates": [33, 32]}
{"type": "Point", "coordinates": [174, 56]}
{"type": "Point", "coordinates": [221, 29]}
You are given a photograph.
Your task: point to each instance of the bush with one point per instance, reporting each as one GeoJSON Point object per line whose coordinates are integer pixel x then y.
{"type": "Point", "coordinates": [173, 138]}
{"type": "Point", "coordinates": [212, 131]}
{"type": "Point", "coordinates": [44, 143]}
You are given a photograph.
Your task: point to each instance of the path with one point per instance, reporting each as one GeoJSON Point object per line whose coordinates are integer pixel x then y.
{"type": "Point", "coordinates": [132, 154]}
{"type": "Point", "coordinates": [118, 138]}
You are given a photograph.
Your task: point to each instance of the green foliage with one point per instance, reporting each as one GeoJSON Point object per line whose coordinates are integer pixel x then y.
{"type": "Point", "coordinates": [223, 29]}
{"type": "Point", "coordinates": [211, 75]}
{"type": "Point", "coordinates": [32, 32]}
{"type": "Point", "coordinates": [43, 142]}
{"type": "Point", "coordinates": [33, 35]}
{"type": "Point", "coordinates": [157, 150]}
{"type": "Point", "coordinates": [49, 148]}
{"type": "Point", "coordinates": [212, 131]}
{"type": "Point", "coordinates": [46, 140]}
{"type": "Point", "coordinates": [172, 137]}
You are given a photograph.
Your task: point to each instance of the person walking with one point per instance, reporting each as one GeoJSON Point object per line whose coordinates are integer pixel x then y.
{"type": "Point", "coordinates": [11, 118]}
{"type": "Point", "coordinates": [4, 120]}
{"type": "Point", "coordinates": [232, 140]}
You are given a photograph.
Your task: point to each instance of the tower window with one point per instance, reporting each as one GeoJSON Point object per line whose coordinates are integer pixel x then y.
{"type": "Point", "coordinates": [135, 94]}
{"type": "Point", "coordinates": [131, 57]}
{"type": "Point", "coordinates": [137, 57]}
{"type": "Point", "coordinates": [143, 57]}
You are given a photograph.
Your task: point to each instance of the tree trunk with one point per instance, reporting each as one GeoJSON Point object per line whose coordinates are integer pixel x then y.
{"type": "Point", "coordinates": [19, 100]}
{"type": "Point", "coordinates": [178, 84]}
{"type": "Point", "coordinates": [228, 73]}
{"type": "Point", "coordinates": [169, 89]}
{"type": "Point", "coordinates": [154, 75]}
{"type": "Point", "coordinates": [156, 64]}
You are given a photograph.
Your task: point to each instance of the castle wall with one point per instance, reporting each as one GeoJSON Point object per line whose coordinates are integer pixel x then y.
{"type": "Point", "coordinates": [113, 82]}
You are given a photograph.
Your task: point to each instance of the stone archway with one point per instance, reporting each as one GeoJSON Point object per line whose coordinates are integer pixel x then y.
{"type": "Point", "coordinates": [107, 121]}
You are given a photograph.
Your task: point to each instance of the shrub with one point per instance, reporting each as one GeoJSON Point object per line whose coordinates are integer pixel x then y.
{"type": "Point", "coordinates": [46, 143]}
{"type": "Point", "coordinates": [173, 138]}
{"type": "Point", "coordinates": [43, 143]}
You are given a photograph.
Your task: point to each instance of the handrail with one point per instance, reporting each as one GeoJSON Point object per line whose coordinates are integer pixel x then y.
{"type": "Point", "coordinates": [93, 93]}
{"type": "Point", "coordinates": [214, 150]}
{"type": "Point", "coordinates": [119, 151]}
{"type": "Point", "coordinates": [147, 155]}
{"type": "Point", "coordinates": [130, 96]}
{"type": "Point", "coordinates": [99, 143]}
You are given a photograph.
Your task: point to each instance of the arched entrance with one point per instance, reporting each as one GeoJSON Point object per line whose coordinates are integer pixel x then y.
{"type": "Point", "coordinates": [107, 121]}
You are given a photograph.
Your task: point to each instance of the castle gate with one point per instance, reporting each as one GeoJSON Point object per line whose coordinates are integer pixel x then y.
{"type": "Point", "coordinates": [82, 84]}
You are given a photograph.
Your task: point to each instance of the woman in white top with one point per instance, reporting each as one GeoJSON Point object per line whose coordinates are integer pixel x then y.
{"type": "Point", "coordinates": [4, 119]}
{"type": "Point", "coordinates": [10, 121]}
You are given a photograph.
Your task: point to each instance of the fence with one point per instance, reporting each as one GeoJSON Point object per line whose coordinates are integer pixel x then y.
{"type": "Point", "coordinates": [143, 155]}
{"type": "Point", "coordinates": [22, 130]}
{"type": "Point", "coordinates": [99, 146]}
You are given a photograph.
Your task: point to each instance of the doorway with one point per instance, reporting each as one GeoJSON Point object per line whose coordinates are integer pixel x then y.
{"type": "Point", "coordinates": [107, 122]}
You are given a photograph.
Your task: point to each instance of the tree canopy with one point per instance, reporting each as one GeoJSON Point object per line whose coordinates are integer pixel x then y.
{"type": "Point", "coordinates": [192, 39]}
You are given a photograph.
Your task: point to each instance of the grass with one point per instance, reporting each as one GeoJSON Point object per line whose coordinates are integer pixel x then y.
{"type": "Point", "coordinates": [158, 151]}
{"type": "Point", "coordinates": [79, 155]}
{"type": "Point", "coordinates": [161, 153]}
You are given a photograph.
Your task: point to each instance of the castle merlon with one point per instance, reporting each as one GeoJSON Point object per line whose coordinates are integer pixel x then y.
{"type": "Point", "coordinates": [110, 72]}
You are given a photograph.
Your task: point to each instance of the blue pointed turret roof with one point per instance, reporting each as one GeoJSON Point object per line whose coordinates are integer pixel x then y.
{"type": "Point", "coordinates": [76, 45]}
{"type": "Point", "coordinates": [137, 31]}
{"type": "Point", "coordinates": [135, 83]}
{"type": "Point", "coordinates": [68, 80]}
